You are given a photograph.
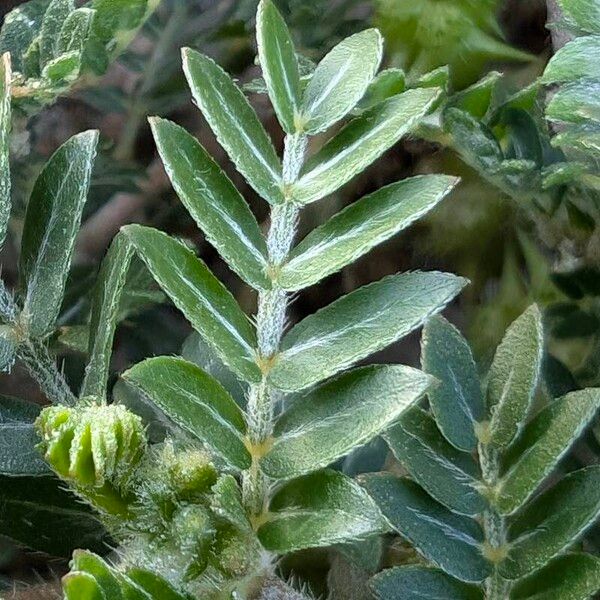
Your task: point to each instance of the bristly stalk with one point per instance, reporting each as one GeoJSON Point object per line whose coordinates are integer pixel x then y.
{"type": "Point", "coordinates": [270, 323]}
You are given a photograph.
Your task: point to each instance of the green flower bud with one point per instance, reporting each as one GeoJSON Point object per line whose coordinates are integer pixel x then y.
{"type": "Point", "coordinates": [93, 446]}
{"type": "Point", "coordinates": [191, 473]}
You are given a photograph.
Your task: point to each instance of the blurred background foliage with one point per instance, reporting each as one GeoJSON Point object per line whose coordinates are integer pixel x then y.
{"type": "Point", "coordinates": [522, 225]}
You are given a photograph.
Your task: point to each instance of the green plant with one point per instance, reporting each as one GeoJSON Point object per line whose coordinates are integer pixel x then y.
{"type": "Point", "coordinates": [478, 504]}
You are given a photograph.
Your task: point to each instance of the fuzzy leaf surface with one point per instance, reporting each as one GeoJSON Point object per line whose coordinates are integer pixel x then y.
{"type": "Point", "coordinates": [319, 509]}
{"type": "Point", "coordinates": [361, 142]}
{"type": "Point", "coordinates": [235, 124]}
{"type": "Point", "coordinates": [213, 201]}
{"type": "Point", "coordinates": [447, 474]}
{"type": "Point", "coordinates": [360, 227]}
{"type": "Point", "coordinates": [576, 60]}
{"type": "Point", "coordinates": [545, 440]}
{"type": "Point", "coordinates": [451, 541]}
{"type": "Point", "coordinates": [418, 583]}
{"type": "Point", "coordinates": [51, 225]}
{"type": "Point", "coordinates": [457, 402]}
{"type": "Point", "coordinates": [5, 128]}
{"type": "Point", "coordinates": [347, 412]}
{"type": "Point", "coordinates": [552, 522]}
{"type": "Point", "coordinates": [513, 376]}
{"type": "Point", "coordinates": [279, 63]}
{"type": "Point", "coordinates": [360, 324]}
{"type": "Point", "coordinates": [585, 14]}
{"type": "Point", "coordinates": [341, 80]}
{"type": "Point", "coordinates": [196, 402]}
{"type": "Point", "coordinates": [55, 16]}
{"type": "Point", "coordinates": [201, 297]}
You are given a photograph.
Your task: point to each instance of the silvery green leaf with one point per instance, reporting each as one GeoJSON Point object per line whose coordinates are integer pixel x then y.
{"type": "Point", "coordinates": [418, 583]}
{"type": "Point", "coordinates": [361, 142]}
{"type": "Point", "coordinates": [349, 411]}
{"type": "Point", "coordinates": [203, 299]}
{"type": "Point", "coordinates": [576, 60]}
{"type": "Point", "coordinates": [226, 502]}
{"type": "Point", "coordinates": [114, 16]}
{"type": "Point", "coordinates": [358, 325]}
{"type": "Point", "coordinates": [575, 103]}
{"type": "Point", "coordinates": [51, 225]}
{"type": "Point", "coordinates": [545, 440]}
{"type": "Point", "coordinates": [341, 80]}
{"type": "Point", "coordinates": [196, 402]}
{"type": "Point", "coordinates": [569, 577]}
{"type": "Point", "coordinates": [584, 14]}
{"type": "Point", "coordinates": [447, 474]}
{"type": "Point", "coordinates": [279, 63]}
{"type": "Point", "coordinates": [54, 18]}
{"type": "Point", "coordinates": [18, 439]}
{"type": "Point", "coordinates": [214, 202]}
{"type": "Point", "coordinates": [319, 509]}
{"type": "Point", "coordinates": [75, 31]}
{"type": "Point", "coordinates": [457, 402]}
{"type": "Point", "coordinates": [360, 227]}
{"type": "Point", "coordinates": [513, 376]}
{"type": "Point", "coordinates": [5, 128]}
{"type": "Point", "coordinates": [64, 68]}
{"type": "Point", "coordinates": [555, 520]}
{"type": "Point", "coordinates": [235, 125]}
{"type": "Point", "coordinates": [388, 83]}
{"type": "Point", "coordinates": [448, 540]}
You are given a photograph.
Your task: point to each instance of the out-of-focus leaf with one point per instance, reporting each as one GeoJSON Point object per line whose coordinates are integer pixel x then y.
{"type": "Point", "coordinates": [360, 324]}
{"type": "Point", "coordinates": [5, 128]}
{"type": "Point", "coordinates": [390, 82]}
{"type": "Point", "coordinates": [320, 509]}
{"type": "Point", "coordinates": [235, 124]}
{"type": "Point", "coordinates": [51, 225]}
{"type": "Point", "coordinates": [196, 402]}
{"type": "Point", "coordinates": [345, 413]}
{"type": "Point", "coordinates": [55, 16]}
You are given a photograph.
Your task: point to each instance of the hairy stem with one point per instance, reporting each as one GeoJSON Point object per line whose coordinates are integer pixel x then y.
{"type": "Point", "coordinates": [494, 526]}
{"type": "Point", "coordinates": [270, 324]}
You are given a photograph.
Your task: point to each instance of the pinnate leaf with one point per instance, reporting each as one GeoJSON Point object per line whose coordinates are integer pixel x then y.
{"type": "Point", "coordinates": [341, 80]}
{"type": "Point", "coordinates": [51, 225]}
{"type": "Point", "coordinates": [457, 402]}
{"type": "Point", "coordinates": [451, 541]}
{"type": "Point", "coordinates": [361, 142]}
{"type": "Point", "coordinates": [347, 412]}
{"type": "Point", "coordinates": [513, 376]}
{"type": "Point", "coordinates": [213, 201]}
{"type": "Point", "coordinates": [360, 227]}
{"type": "Point", "coordinates": [235, 124]}
{"type": "Point", "coordinates": [319, 509]}
{"type": "Point", "coordinates": [196, 402]}
{"type": "Point", "coordinates": [279, 63]}
{"type": "Point", "coordinates": [360, 324]}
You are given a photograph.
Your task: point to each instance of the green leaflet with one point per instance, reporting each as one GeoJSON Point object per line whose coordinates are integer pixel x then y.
{"type": "Point", "coordinates": [279, 63]}
{"type": "Point", "coordinates": [235, 124]}
{"type": "Point", "coordinates": [65, 67]}
{"type": "Point", "coordinates": [214, 202]}
{"type": "Point", "coordinates": [360, 227]}
{"type": "Point", "coordinates": [575, 103]}
{"type": "Point", "coordinates": [320, 509]}
{"type": "Point", "coordinates": [18, 439]}
{"type": "Point", "coordinates": [476, 99]}
{"type": "Point", "coordinates": [226, 502]}
{"type": "Point", "coordinates": [386, 84]}
{"type": "Point", "coordinates": [417, 583]}
{"type": "Point", "coordinates": [360, 142]}
{"type": "Point", "coordinates": [577, 60]}
{"type": "Point", "coordinates": [5, 127]}
{"type": "Point", "coordinates": [75, 31]}
{"type": "Point", "coordinates": [585, 14]}
{"type": "Point", "coordinates": [451, 541]}
{"type": "Point", "coordinates": [114, 16]}
{"type": "Point", "coordinates": [341, 80]}
{"type": "Point", "coordinates": [358, 325]}
{"type": "Point", "coordinates": [51, 225]}
{"type": "Point", "coordinates": [457, 402]}
{"type": "Point", "coordinates": [569, 577]}
{"type": "Point", "coordinates": [81, 586]}
{"type": "Point", "coordinates": [54, 18]}
{"type": "Point", "coordinates": [36, 512]}
{"type": "Point", "coordinates": [542, 444]}
{"type": "Point", "coordinates": [347, 412]}
{"type": "Point", "coordinates": [552, 522]}
{"type": "Point", "coordinates": [513, 376]}
{"type": "Point", "coordinates": [95, 567]}
{"type": "Point", "coordinates": [202, 298]}
{"type": "Point", "coordinates": [196, 402]}
{"type": "Point", "coordinates": [447, 474]}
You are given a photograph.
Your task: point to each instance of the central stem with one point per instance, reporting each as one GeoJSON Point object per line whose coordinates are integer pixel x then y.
{"type": "Point", "coordinates": [494, 526]}
{"type": "Point", "coordinates": [270, 324]}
